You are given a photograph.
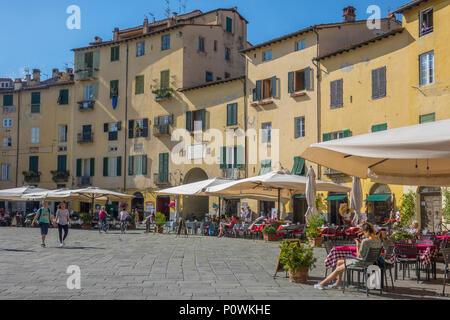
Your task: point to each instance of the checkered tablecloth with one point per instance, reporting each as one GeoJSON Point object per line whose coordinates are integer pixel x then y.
{"type": "Point", "coordinates": [426, 253]}
{"type": "Point", "coordinates": [339, 253]}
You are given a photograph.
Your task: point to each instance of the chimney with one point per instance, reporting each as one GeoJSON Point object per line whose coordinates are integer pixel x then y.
{"type": "Point", "coordinates": [116, 34]}
{"type": "Point", "coordinates": [145, 30]}
{"type": "Point", "coordinates": [17, 84]}
{"type": "Point", "coordinates": [28, 79]}
{"type": "Point", "coordinates": [68, 74]}
{"type": "Point", "coordinates": [55, 73]}
{"type": "Point", "coordinates": [349, 14]}
{"type": "Point", "coordinates": [37, 75]}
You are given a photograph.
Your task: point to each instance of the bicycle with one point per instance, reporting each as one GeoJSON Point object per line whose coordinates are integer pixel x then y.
{"type": "Point", "coordinates": [103, 226]}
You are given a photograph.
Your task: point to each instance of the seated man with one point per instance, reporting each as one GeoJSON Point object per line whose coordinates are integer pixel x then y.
{"type": "Point", "coordinates": [230, 225]}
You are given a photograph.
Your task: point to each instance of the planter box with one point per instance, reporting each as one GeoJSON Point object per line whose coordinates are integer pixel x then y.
{"type": "Point", "coordinates": [86, 227]}
{"type": "Point", "coordinates": [315, 242]}
{"type": "Point", "coordinates": [270, 237]}
{"type": "Point", "coordinates": [300, 277]}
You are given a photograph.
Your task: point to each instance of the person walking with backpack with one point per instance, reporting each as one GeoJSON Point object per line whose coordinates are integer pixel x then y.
{"type": "Point", "coordinates": [45, 218]}
{"type": "Point", "coordinates": [63, 221]}
{"type": "Point", "coordinates": [123, 215]}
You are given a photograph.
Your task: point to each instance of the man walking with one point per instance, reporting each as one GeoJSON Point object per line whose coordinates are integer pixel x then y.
{"type": "Point", "coordinates": [45, 218]}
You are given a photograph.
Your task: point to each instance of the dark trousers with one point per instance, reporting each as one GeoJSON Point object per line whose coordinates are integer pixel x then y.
{"type": "Point", "coordinates": [66, 231]}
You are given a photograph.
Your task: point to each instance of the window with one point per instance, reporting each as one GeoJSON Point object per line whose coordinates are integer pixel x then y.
{"type": "Point", "coordinates": [115, 51]}
{"type": "Point", "coordinates": [227, 54]}
{"type": "Point", "coordinates": [232, 110]}
{"type": "Point", "coordinates": [300, 45]}
{"type": "Point", "coordinates": [7, 100]}
{"type": "Point", "coordinates": [426, 68]}
{"type": "Point", "coordinates": [62, 133]}
{"type": "Point", "coordinates": [196, 120]}
{"type": "Point", "coordinates": [299, 127]}
{"type": "Point", "coordinates": [426, 22]}
{"type": "Point", "coordinates": [267, 55]}
{"type": "Point", "coordinates": [209, 76]}
{"type": "Point", "coordinates": [140, 48]}
{"type": "Point", "coordinates": [215, 45]}
{"type": "Point", "coordinates": [299, 80]}
{"type": "Point", "coordinates": [7, 123]}
{"type": "Point", "coordinates": [379, 83]}
{"type": "Point", "coordinates": [112, 167]}
{"type": "Point", "coordinates": [138, 128]}
{"type": "Point", "coordinates": [6, 172]}
{"type": "Point", "coordinates": [165, 42]}
{"type": "Point", "coordinates": [34, 135]}
{"type": "Point", "coordinates": [163, 168]}
{"type": "Point", "coordinates": [336, 135]}
{"type": "Point", "coordinates": [35, 102]}
{"type": "Point", "coordinates": [231, 157]}
{"type": "Point", "coordinates": [63, 97]}
{"type": "Point", "coordinates": [266, 132]}
{"type": "Point", "coordinates": [226, 75]}
{"type": "Point", "coordinates": [137, 165]}
{"type": "Point", "coordinates": [379, 127]}
{"type": "Point", "coordinates": [201, 44]}
{"type": "Point", "coordinates": [62, 148]}
{"type": "Point", "coordinates": [91, 91]}
{"type": "Point", "coordinates": [62, 163]}
{"type": "Point", "coordinates": [33, 164]}
{"type": "Point", "coordinates": [431, 117]}
{"type": "Point", "coordinates": [165, 79]}
{"type": "Point", "coordinates": [85, 167]}
{"type": "Point", "coordinates": [113, 130]}
{"type": "Point", "coordinates": [113, 88]}
{"type": "Point", "coordinates": [336, 93]}
{"type": "Point", "coordinates": [7, 142]}
{"type": "Point", "coordinates": [87, 61]}
{"type": "Point", "coordinates": [266, 167]}
{"type": "Point", "coordinates": [265, 89]}
{"type": "Point", "coordinates": [139, 85]}
{"type": "Point", "coordinates": [229, 27]}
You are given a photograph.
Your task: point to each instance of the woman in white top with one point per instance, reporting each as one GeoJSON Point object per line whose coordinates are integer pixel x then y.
{"type": "Point", "coordinates": [63, 221]}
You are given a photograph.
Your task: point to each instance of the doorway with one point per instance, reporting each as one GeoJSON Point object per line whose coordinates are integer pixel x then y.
{"type": "Point", "coordinates": [138, 203]}
{"type": "Point", "coordinates": [300, 208]}
{"type": "Point", "coordinates": [195, 207]}
{"type": "Point", "coordinates": [162, 205]}
{"type": "Point", "coordinates": [430, 208]}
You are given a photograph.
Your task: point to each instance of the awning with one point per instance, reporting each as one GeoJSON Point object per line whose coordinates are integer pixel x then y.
{"type": "Point", "coordinates": [300, 196]}
{"type": "Point", "coordinates": [378, 197]}
{"type": "Point", "coordinates": [336, 197]}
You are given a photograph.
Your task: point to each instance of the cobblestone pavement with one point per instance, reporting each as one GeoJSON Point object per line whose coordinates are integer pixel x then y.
{"type": "Point", "coordinates": [161, 266]}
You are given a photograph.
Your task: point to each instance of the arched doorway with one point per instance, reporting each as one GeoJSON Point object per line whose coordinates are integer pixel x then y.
{"type": "Point", "coordinates": [430, 207]}
{"type": "Point", "coordinates": [195, 207]}
{"type": "Point", "coordinates": [138, 203]}
{"type": "Point", "coordinates": [380, 203]}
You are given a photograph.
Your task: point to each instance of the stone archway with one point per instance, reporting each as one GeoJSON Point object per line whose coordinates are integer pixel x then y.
{"type": "Point", "coordinates": [195, 207]}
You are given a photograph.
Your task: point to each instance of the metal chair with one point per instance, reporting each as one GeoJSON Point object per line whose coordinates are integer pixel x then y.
{"type": "Point", "coordinates": [406, 255]}
{"type": "Point", "coordinates": [371, 258]}
{"type": "Point", "coordinates": [328, 246]}
{"type": "Point", "coordinates": [446, 254]}
{"type": "Point", "coordinates": [387, 265]}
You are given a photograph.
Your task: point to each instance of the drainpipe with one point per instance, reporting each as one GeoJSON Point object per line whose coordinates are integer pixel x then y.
{"type": "Point", "coordinates": [318, 104]}
{"type": "Point", "coordinates": [18, 137]}
{"type": "Point", "coordinates": [125, 125]}
{"type": "Point", "coordinates": [245, 117]}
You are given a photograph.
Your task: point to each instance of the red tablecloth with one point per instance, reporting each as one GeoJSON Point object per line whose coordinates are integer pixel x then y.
{"type": "Point", "coordinates": [445, 236]}
{"type": "Point", "coordinates": [339, 253]}
{"type": "Point", "coordinates": [426, 252]}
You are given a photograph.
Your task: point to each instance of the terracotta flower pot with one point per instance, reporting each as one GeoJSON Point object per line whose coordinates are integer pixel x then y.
{"type": "Point", "coordinates": [315, 242]}
{"type": "Point", "coordinates": [300, 277]}
{"type": "Point", "coordinates": [270, 237]}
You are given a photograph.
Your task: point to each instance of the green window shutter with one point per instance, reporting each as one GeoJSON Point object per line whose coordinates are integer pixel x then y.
{"type": "Point", "coordinates": [163, 174]}
{"type": "Point", "coordinates": [189, 120]}
{"type": "Point", "coordinates": [95, 91]}
{"type": "Point", "coordinates": [64, 93]}
{"type": "Point", "coordinates": [431, 117]}
{"type": "Point", "coordinates": [171, 118]}
{"type": "Point", "coordinates": [296, 163]}
{"type": "Point", "coordinates": [34, 164]}
{"type": "Point", "coordinates": [340, 93]}
{"type": "Point", "coordinates": [92, 167]}
{"type": "Point", "coordinates": [105, 127]}
{"type": "Point", "coordinates": [144, 164]}
{"type": "Point", "coordinates": [238, 157]}
{"type": "Point", "coordinates": [139, 89]}
{"type": "Point", "coordinates": [273, 86]}
{"type": "Point", "coordinates": [229, 24]}
{"type": "Point", "coordinates": [113, 88]}
{"type": "Point", "coordinates": [308, 78]}
{"type": "Point", "coordinates": [223, 158]}
{"type": "Point", "coordinates": [375, 84]}
{"type": "Point", "coordinates": [346, 133]}
{"type": "Point", "coordinates": [160, 167]}
{"type": "Point", "coordinates": [79, 60]}
{"type": "Point", "coordinates": [231, 114]}
{"type": "Point", "coordinates": [299, 164]}
{"type": "Point", "coordinates": [115, 53]}
{"type": "Point", "coordinates": [130, 165]}
{"type": "Point", "coordinates": [165, 79]}
{"type": "Point", "coordinates": [145, 128]}
{"type": "Point", "coordinates": [156, 121]}
{"type": "Point", "coordinates": [78, 167]}
{"type": "Point", "coordinates": [258, 90]}
{"type": "Point", "coordinates": [382, 82]}
{"type": "Point", "coordinates": [119, 166]}
{"type": "Point", "coordinates": [130, 129]}
{"type": "Point", "coordinates": [62, 159]}
{"type": "Point", "coordinates": [35, 98]}
{"type": "Point", "coordinates": [379, 127]}
{"type": "Point", "coordinates": [333, 94]}
{"type": "Point", "coordinates": [203, 116]}
{"type": "Point", "coordinates": [325, 137]}
{"type": "Point", "coordinates": [96, 59]}
{"type": "Point", "coordinates": [291, 77]}
{"type": "Point", "coordinates": [105, 167]}
{"type": "Point", "coordinates": [7, 100]}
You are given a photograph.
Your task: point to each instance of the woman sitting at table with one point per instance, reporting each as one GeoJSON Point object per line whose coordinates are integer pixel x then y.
{"type": "Point", "coordinates": [415, 231]}
{"type": "Point", "coordinates": [371, 241]}
{"type": "Point", "coordinates": [230, 225]}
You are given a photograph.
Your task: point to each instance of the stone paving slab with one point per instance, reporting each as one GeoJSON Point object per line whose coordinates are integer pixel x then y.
{"type": "Point", "coordinates": [163, 267]}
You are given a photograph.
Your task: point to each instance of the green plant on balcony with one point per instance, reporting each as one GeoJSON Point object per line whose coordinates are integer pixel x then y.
{"type": "Point", "coordinates": [60, 175]}
{"type": "Point", "coordinates": [163, 93]}
{"type": "Point", "coordinates": [31, 175]}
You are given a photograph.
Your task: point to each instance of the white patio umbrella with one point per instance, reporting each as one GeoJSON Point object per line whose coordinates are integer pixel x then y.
{"type": "Point", "coordinates": [311, 193]}
{"type": "Point", "coordinates": [414, 155]}
{"type": "Point", "coordinates": [16, 194]}
{"type": "Point", "coordinates": [356, 200]}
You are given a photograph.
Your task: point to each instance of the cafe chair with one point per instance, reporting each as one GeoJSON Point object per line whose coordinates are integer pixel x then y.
{"type": "Point", "coordinates": [446, 254]}
{"type": "Point", "coordinates": [406, 255]}
{"type": "Point", "coordinates": [387, 265]}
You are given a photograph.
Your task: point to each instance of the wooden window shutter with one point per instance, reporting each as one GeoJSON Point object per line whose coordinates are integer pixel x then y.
{"type": "Point", "coordinates": [161, 167]}
{"type": "Point", "coordinates": [203, 116]}
{"type": "Point", "coordinates": [92, 167]}
{"type": "Point", "coordinates": [333, 94]}
{"type": "Point", "coordinates": [105, 167]}
{"type": "Point", "coordinates": [273, 86]}
{"type": "Point", "coordinates": [291, 79]}
{"type": "Point", "coordinates": [238, 157]}
{"type": "Point", "coordinates": [130, 129]}
{"type": "Point", "coordinates": [340, 95]}
{"type": "Point", "coordinates": [229, 115]}
{"type": "Point", "coordinates": [106, 127]}
{"type": "Point", "coordinates": [35, 98]}
{"type": "Point", "coordinates": [78, 167]}
{"type": "Point", "coordinates": [235, 111]}
{"type": "Point", "coordinates": [171, 118]}
{"type": "Point", "coordinates": [374, 84]}
{"type": "Point", "coordinates": [119, 166]}
{"type": "Point", "coordinates": [189, 120]}
{"type": "Point", "coordinates": [95, 91]}
{"type": "Point", "coordinates": [79, 60]}
{"type": "Point", "coordinates": [156, 121]}
{"type": "Point", "coordinates": [308, 78]}
{"type": "Point", "coordinates": [296, 163]}
{"type": "Point", "coordinates": [145, 128]}
{"type": "Point", "coordinates": [223, 158]}
{"type": "Point", "coordinates": [346, 133]}
{"type": "Point", "coordinates": [258, 89]}
{"type": "Point", "coordinates": [119, 125]}
{"type": "Point", "coordinates": [96, 59]}
{"type": "Point", "coordinates": [144, 164]}
{"type": "Point", "coordinates": [62, 162]}
{"type": "Point", "coordinates": [8, 100]}
{"type": "Point", "coordinates": [325, 137]}
{"type": "Point", "coordinates": [382, 82]}
{"type": "Point", "coordinates": [130, 165]}
{"type": "Point", "coordinates": [165, 79]}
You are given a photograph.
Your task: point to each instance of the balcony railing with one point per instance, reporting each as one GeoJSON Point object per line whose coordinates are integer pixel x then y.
{"type": "Point", "coordinates": [86, 74]}
{"type": "Point", "coordinates": [163, 94]}
{"type": "Point", "coordinates": [84, 181]}
{"type": "Point", "coordinates": [32, 176]}
{"type": "Point", "coordinates": [60, 176]}
{"type": "Point", "coordinates": [86, 105]}
{"type": "Point", "coordinates": [161, 180]}
{"type": "Point", "coordinates": [85, 137]}
{"type": "Point", "coordinates": [232, 173]}
{"type": "Point", "coordinates": [162, 130]}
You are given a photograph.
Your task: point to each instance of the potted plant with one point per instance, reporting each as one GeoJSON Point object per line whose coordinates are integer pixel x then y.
{"type": "Point", "coordinates": [298, 259]}
{"type": "Point", "coordinates": [270, 233]}
{"type": "Point", "coordinates": [315, 221]}
{"type": "Point", "coordinates": [86, 221]}
{"type": "Point", "coordinates": [401, 235]}
{"type": "Point", "coordinates": [131, 221]}
{"type": "Point", "coordinates": [160, 220]}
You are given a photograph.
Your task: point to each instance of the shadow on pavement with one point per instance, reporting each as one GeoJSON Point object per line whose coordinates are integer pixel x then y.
{"type": "Point", "coordinates": [16, 250]}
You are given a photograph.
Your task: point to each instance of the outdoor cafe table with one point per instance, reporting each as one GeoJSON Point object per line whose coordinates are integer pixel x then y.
{"type": "Point", "coordinates": [339, 253]}
{"type": "Point", "coordinates": [426, 252]}
{"type": "Point", "coordinates": [445, 236]}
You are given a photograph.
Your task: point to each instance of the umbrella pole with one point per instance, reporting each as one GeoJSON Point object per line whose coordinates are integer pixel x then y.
{"type": "Point", "coordinates": [279, 212]}
{"type": "Point", "coordinates": [219, 209]}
